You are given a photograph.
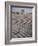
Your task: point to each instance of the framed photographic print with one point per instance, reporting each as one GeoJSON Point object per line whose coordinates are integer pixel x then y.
{"type": "Point", "coordinates": [20, 22]}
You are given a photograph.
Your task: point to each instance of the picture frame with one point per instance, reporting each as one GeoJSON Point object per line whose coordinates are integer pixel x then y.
{"type": "Point", "coordinates": [20, 9]}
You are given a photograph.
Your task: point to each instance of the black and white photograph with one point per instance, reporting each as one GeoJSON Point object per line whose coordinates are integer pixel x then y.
{"type": "Point", "coordinates": [20, 22]}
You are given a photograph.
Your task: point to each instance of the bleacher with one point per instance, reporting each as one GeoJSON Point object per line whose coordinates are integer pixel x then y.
{"type": "Point", "coordinates": [21, 25]}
